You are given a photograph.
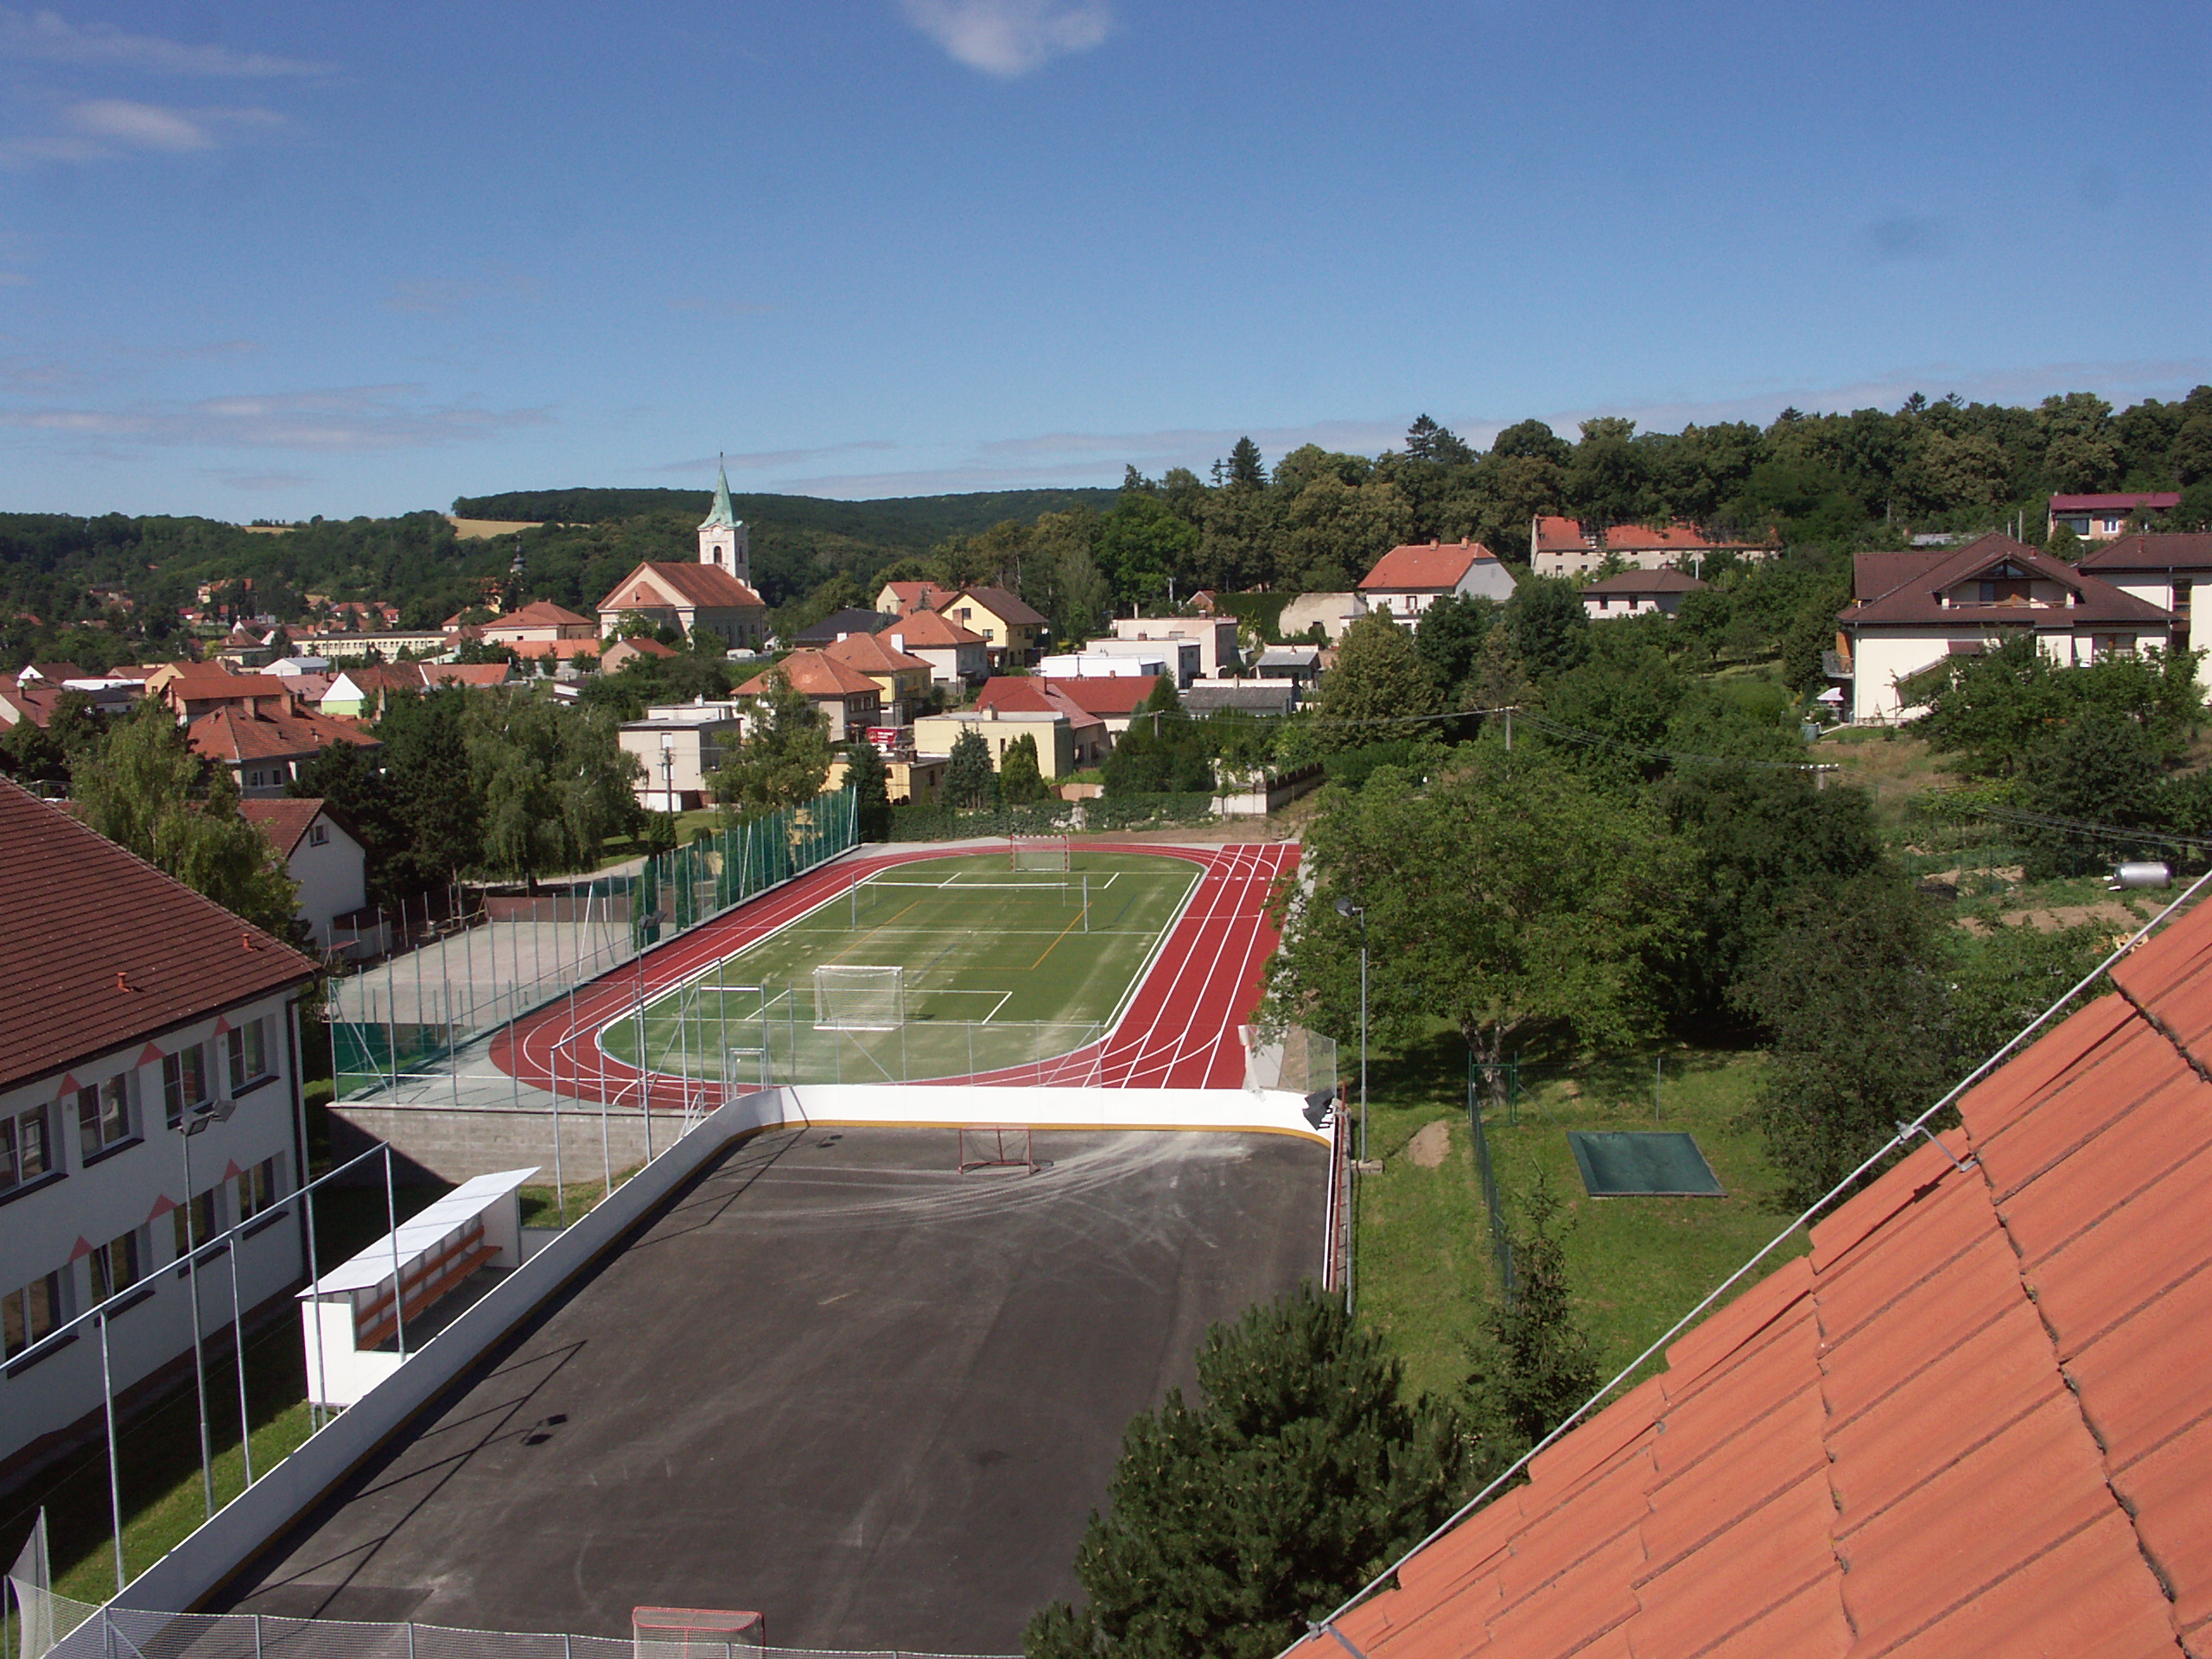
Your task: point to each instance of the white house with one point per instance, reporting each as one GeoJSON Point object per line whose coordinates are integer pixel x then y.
{"type": "Point", "coordinates": [1913, 612]}
{"type": "Point", "coordinates": [681, 745]}
{"type": "Point", "coordinates": [2164, 570]}
{"type": "Point", "coordinates": [1177, 654]}
{"type": "Point", "coordinates": [149, 1102]}
{"type": "Point", "coordinates": [1407, 581]}
{"type": "Point", "coordinates": [320, 853]}
{"type": "Point", "coordinates": [1215, 637]}
{"type": "Point", "coordinates": [1332, 612]}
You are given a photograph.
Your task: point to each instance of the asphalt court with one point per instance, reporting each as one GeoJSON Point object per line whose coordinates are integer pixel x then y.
{"type": "Point", "coordinates": [834, 1381]}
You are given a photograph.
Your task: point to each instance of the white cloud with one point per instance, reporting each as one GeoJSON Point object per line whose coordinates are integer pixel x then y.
{"type": "Point", "coordinates": [142, 126]}
{"type": "Point", "coordinates": [755, 460]}
{"type": "Point", "coordinates": [107, 129]}
{"type": "Point", "coordinates": [1011, 37]}
{"type": "Point", "coordinates": [47, 37]}
{"type": "Point", "coordinates": [342, 420]}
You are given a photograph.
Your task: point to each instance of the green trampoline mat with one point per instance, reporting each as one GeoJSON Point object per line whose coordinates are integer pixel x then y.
{"type": "Point", "coordinates": [1661, 1163]}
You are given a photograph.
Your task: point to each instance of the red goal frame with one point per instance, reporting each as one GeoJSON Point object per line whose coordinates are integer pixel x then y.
{"type": "Point", "coordinates": [997, 1146]}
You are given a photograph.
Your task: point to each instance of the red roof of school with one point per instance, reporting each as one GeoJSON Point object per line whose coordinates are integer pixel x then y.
{"type": "Point", "coordinates": [2156, 501]}
{"type": "Point", "coordinates": [1426, 565]}
{"type": "Point", "coordinates": [1110, 696]}
{"type": "Point", "coordinates": [82, 912]}
{"type": "Point", "coordinates": [1974, 1421]}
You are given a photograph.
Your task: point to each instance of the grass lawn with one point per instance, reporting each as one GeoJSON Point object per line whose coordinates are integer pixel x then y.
{"type": "Point", "coordinates": [1424, 1270]}
{"type": "Point", "coordinates": [1020, 965]}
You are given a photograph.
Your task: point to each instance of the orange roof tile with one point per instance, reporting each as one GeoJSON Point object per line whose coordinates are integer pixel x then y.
{"type": "Point", "coordinates": [1425, 565]}
{"type": "Point", "coordinates": [927, 630]}
{"type": "Point", "coordinates": [696, 584]}
{"type": "Point", "coordinates": [1008, 608]}
{"type": "Point", "coordinates": [872, 653]}
{"type": "Point", "coordinates": [815, 674]}
{"type": "Point", "coordinates": [1110, 696]}
{"type": "Point", "coordinates": [1973, 1420]}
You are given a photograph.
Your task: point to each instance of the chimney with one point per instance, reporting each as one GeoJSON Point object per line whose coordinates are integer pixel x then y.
{"type": "Point", "coordinates": [898, 642]}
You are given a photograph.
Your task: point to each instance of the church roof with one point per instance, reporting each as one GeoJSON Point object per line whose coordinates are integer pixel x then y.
{"type": "Point", "coordinates": [690, 584]}
{"type": "Point", "coordinates": [724, 516]}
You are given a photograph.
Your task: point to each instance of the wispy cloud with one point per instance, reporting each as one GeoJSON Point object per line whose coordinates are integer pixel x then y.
{"type": "Point", "coordinates": [441, 296]}
{"type": "Point", "coordinates": [1011, 37]}
{"type": "Point", "coordinates": [759, 460]}
{"type": "Point", "coordinates": [47, 37]}
{"type": "Point", "coordinates": [342, 420]}
{"type": "Point", "coordinates": [107, 129]}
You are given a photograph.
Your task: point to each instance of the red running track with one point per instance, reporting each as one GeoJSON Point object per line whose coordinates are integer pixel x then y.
{"type": "Point", "coordinates": [1177, 1032]}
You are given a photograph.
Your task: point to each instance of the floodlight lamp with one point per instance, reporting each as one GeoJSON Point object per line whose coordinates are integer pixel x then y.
{"type": "Point", "coordinates": [1344, 907]}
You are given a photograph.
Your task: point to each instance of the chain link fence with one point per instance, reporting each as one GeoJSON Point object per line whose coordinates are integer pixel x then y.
{"type": "Point", "coordinates": [83, 1631]}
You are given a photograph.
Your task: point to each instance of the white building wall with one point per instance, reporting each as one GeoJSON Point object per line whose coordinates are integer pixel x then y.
{"type": "Point", "coordinates": [1880, 659]}
{"type": "Point", "coordinates": [1216, 639]}
{"type": "Point", "coordinates": [333, 877]}
{"type": "Point", "coordinates": [129, 1188]}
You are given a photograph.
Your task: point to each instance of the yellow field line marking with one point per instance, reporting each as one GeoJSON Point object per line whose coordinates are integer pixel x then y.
{"type": "Point", "coordinates": [1056, 938]}
{"type": "Point", "coordinates": [870, 934]}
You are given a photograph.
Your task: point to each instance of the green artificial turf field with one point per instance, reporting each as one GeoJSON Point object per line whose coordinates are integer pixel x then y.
{"type": "Point", "coordinates": [1003, 968]}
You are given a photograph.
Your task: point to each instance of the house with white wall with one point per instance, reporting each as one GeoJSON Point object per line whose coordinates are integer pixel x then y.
{"type": "Point", "coordinates": [2166, 570]}
{"type": "Point", "coordinates": [2101, 517]}
{"type": "Point", "coordinates": [680, 747]}
{"type": "Point", "coordinates": [1638, 592]}
{"type": "Point", "coordinates": [1407, 579]}
{"type": "Point", "coordinates": [1914, 612]}
{"type": "Point", "coordinates": [1215, 637]}
{"type": "Point", "coordinates": [149, 1103]}
{"type": "Point", "coordinates": [320, 852]}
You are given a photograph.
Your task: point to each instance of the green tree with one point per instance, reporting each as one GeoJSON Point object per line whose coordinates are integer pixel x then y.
{"type": "Point", "coordinates": [142, 787]}
{"type": "Point", "coordinates": [871, 786]}
{"type": "Point", "coordinates": [347, 778]}
{"type": "Point", "coordinates": [1451, 635]}
{"type": "Point", "coordinates": [1380, 678]}
{"type": "Point", "coordinates": [555, 782]}
{"type": "Point", "coordinates": [1299, 1472]}
{"type": "Point", "coordinates": [784, 759]}
{"type": "Point", "coordinates": [1020, 780]}
{"type": "Point", "coordinates": [1141, 546]}
{"type": "Point", "coordinates": [1534, 1366]}
{"type": "Point", "coordinates": [1853, 987]}
{"type": "Point", "coordinates": [1508, 896]}
{"type": "Point", "coordinates": [968, 780]}
{"type": "Point", "coordinates": [2103, 769]}
{"type": "Point", "coordinates": [1546, 626]}
{"type": "Point", "coordinates": [435, 792]}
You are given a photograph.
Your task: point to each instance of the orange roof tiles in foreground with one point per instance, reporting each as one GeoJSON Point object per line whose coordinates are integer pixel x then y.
{"type": "Point", "coordinates": [1976, 1419]}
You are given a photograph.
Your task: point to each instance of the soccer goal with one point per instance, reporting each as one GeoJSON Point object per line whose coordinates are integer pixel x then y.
{"type": "Point", "coordinates": [696, 1633]}
{"type": "Point", "coordinates": [996, 1146]}
{"type": "Point", "coordinates": [1039, 852]}
{"type": "Point", "coordinates": [850, 997]}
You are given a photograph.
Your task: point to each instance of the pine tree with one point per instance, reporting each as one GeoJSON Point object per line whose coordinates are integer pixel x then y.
{"type": "Point", "coordinates": [1019, 779]}
{"type": "Point", "coordinates": [1536, 1366]}
{"type": "Point", "coordinates": [864, 772]}
{"type": "Point", "coordinates": [1300, 1472]}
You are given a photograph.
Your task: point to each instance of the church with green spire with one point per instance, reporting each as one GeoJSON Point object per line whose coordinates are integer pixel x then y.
{"type": "Point", "coordinates": [723, 541]}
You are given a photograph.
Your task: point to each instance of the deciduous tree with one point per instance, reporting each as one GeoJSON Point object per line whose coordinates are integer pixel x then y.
{"type": "Point", "coordinates": [784, 759]}
{"type": "Point", "coordinates": [1381, 681]}
{"type": "Point", "coordinates": [968, 780]}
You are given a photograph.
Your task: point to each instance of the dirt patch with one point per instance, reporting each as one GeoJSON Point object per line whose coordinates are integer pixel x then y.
{"type": "Point", "coordinates": [1430, 1143]}
{"type": "Point", "coordinates": [2112, 913]}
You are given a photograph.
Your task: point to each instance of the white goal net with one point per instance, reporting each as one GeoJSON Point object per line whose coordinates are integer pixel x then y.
{"type": "Point", "coordinates": [1040, 852]}
{"type": "Point", "coordinates": [850, 997]}
{"type": "Point", "coordinates": [696, 1633]}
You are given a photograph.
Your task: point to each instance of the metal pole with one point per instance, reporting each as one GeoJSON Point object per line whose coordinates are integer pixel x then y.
{"type": "Point", "coordinates": [1658, 1077]}
{"type": "Point", "coordinates": [1362, 1036]}
{"type": "Point", "coordinates": [314, 1277]}
{"type": "Point", "coordinates": [391, 995]}
{"type": "Point", "coordinates": [192, 1286]}
{"type": "Point", "coordinates": [114, 1477]}
{"type": "Point", "coordinates": [237, 1332]}
{"type": "Point", "coordinates": [399, 1290]}
{"type": "Point", "coordinates": [453, 1049]}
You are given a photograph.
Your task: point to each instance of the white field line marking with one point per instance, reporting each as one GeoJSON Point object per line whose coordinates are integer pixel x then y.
{"type": "Point", "coordinates": [1004, 997]}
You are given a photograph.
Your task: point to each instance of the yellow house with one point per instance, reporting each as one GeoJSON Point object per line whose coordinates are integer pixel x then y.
{"type": "Point", "coordinates": [1011, 630]}
{"type": "Point", "coordinates": [916, 779]}
{"type": "Point", "coordinates": [904, 679]}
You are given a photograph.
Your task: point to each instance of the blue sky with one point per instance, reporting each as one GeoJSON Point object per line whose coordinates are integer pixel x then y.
{"type": "Point", "coordinates": [262, 260]}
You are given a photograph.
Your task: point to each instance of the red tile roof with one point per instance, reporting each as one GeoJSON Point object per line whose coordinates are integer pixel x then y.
{"type": "Point", "coordinates": [1426, 565]}
{"type": "Point", "coordinates": [815, 675]}
{"type": "Point", "coordinates": [282, 819]}
{"type": "Point", "coordinates": [1015, 694]}
{"type": "Point", "coordinates": [2156, 501]}
{"type": "Point", "coordinates": [1556, 535]}
{"type": "Point", "coordinates": [697, 584]}
{"type": "Point", "coordinates": [541, 613]}
{"type": "Point", "coordinates": [80, 912]}
{"type": "Point", "coordinates": [1973, 1421]}
{"type": "Point", "coordinates": [2149, 550]}
{"type": "Point", "coordinates": [1920, 579]}
{"type": "Point", "coordinates": [230, 736]}
{"type": "Point", "coordinates": [872, 654]}
{"type": "Point", "coordinates": [1110, 696]}
{"type": "Point", "coordinates": [917, 596]}
{"type": "Point", "coordinates": [926, 629]}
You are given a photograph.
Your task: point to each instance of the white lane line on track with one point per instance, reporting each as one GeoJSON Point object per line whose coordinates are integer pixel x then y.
{"type": "Point", "coordinates": [1220, 906]}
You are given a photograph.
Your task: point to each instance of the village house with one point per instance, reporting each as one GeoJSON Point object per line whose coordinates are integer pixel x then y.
{"type": "Point", "coordinates": [2101, 517]}
{"type": "Point", "coordinates": [903, 678]}
{"type": "Point", "coordinates": [2165, 570]}
{"type": "Point", "coordinates": [1638, 592]}
{"type": "Point", "coordinates": [1068, 737]}
{"type": "Point", "coordinates": [905, 598]}
{"type": "Point", "coordinates": [1010, 629]}
{"type": "Point", "coordinates": [361, 693]}
{"type": "Point", "coordinates": [1216, 639]}
{"type": "Point", "coordinates": [1113, 700]}
{"type": "Point", "coordinates": [1407, 579]}
{"type": "Point", "coordinates": [956, 656]}
{"type": "Point", "coordinates": [1568, 547]}
{"type": "Point", "coordinates": [265, 749]}
{"type": "Point", "coordinates": [539, 622]}
{"type": "Point", "coordinates": [1914, 612]}
{"type": "Point", "coordinates": [850, 701]}
{"type": "Point", "coordinates": [322, 852]}
{"type": "Point", "coordinates": [1330, 613]}
{"type": "Point", "coordinates": [680, 747]}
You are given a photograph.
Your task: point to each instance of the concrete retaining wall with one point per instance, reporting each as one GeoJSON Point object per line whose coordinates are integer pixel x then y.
{"type": "Point", "coordinates": [454, 1143]}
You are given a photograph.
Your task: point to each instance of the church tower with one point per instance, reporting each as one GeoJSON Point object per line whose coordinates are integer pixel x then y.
{"type": "Point", "coordinates": [723, 538]}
